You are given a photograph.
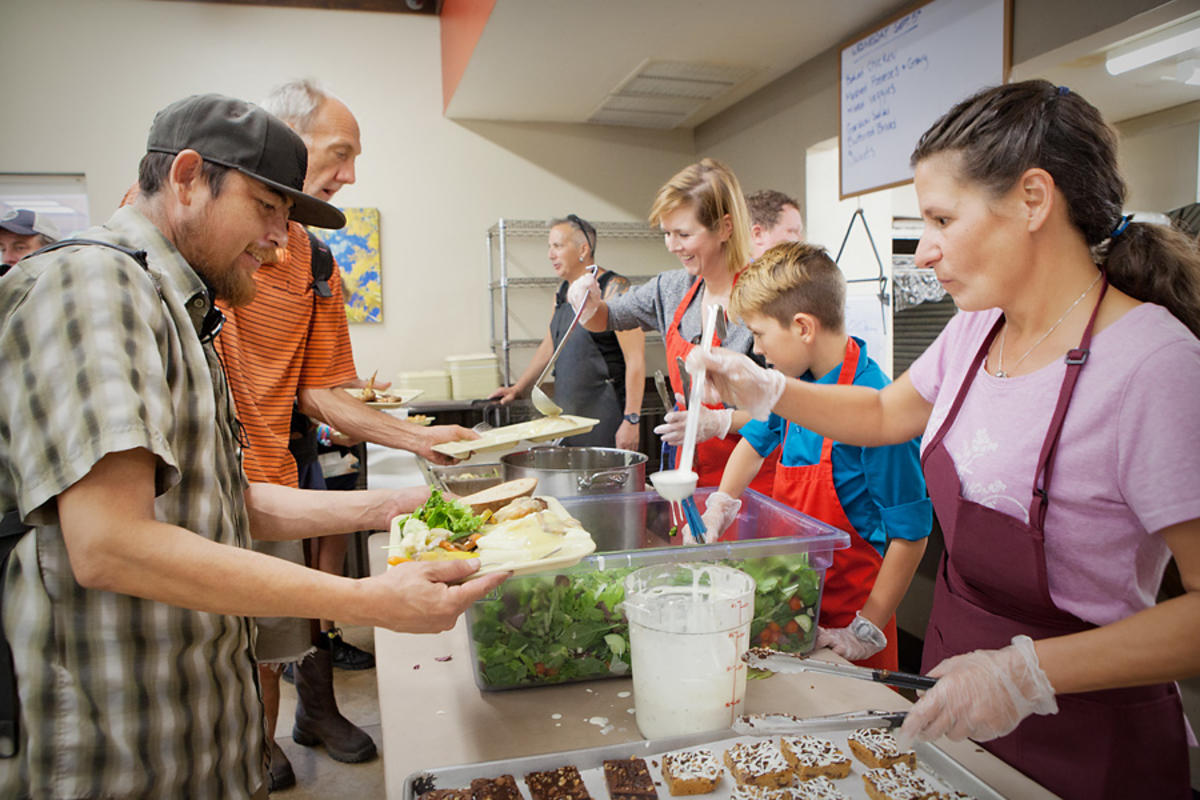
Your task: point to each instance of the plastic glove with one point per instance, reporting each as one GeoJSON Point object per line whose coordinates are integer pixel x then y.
{"type": "Point", "coordinates": [584, 289]}
{"type": "Point", "coordinates": [736, 380]}
{"type": "Point", "coordinates": [982, 695]}
{"type": "Point", "coordinates": [719, 513]}
{"type": "Point", "coordinates": [856, 642]}
{"type": "Point", "coordinates": [713, 423]}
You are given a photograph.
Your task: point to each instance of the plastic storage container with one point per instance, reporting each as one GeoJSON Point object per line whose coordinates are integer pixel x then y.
{"type": "Point", "coordinates": [473, 376]}
{"type": "Point", "coordinates": [566, 626]}
{"type": "Point", "coordinates": [434, 383]}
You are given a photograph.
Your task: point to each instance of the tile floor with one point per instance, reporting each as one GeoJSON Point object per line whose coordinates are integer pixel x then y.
{"type": "Point", "coordinates": [319, 777]}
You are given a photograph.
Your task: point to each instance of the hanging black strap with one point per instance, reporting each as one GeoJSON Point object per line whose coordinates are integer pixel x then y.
{"type": "Point", "coordinates": [12, 529]}
{"type": "Point", "coordinates": [322, 265]}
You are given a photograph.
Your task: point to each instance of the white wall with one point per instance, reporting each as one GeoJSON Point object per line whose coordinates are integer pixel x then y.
{"type": "Point", "coordinates": [99, 69]}
{"type": "Point", "coordinates": [1159, 155]}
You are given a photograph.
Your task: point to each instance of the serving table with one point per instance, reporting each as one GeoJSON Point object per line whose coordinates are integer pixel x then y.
{"type": "Point", "coordinates": [433, 715]}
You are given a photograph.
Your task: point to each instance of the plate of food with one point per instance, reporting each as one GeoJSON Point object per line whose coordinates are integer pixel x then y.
{"type": "Point", "coordinates": [506, 437]}
{"type": "Point", "coordinates": [505, 527]}
{"type": "Point", "coordinates": [385, 398]}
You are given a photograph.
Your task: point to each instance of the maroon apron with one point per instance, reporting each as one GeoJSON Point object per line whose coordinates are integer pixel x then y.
{"type": "Point", "coordinates": [992, 586]}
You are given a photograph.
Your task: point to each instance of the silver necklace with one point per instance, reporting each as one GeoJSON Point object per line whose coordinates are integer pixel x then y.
{"type": "Point", "coordinates": [1000, 373]}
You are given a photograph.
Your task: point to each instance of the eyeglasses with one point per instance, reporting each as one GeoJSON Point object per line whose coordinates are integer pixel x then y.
{"type": "Point", "coordinates": [585, 228]}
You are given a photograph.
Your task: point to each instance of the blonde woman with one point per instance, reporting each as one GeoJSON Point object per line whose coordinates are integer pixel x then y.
{"type": "Point", "coordinates": [705, 224]}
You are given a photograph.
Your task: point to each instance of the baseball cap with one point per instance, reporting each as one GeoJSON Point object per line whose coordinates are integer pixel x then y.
{"type": "Point", "coordinates": [242, 136]}
{"type": "Point", "coordinates": [24, 222]}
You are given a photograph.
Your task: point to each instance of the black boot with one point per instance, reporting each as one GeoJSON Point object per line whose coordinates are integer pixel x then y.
{"type": "Point", "coordinates": [318, 720]}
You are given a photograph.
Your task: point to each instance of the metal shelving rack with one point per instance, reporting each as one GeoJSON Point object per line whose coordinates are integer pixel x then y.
{"type": "Point", "coordinates": [498, 236]}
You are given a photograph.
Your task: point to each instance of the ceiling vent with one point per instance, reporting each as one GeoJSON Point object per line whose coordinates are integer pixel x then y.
{"type": "Point", "coordinates": [665, 94]}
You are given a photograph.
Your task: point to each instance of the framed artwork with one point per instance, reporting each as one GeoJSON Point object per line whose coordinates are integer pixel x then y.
{"type": "Point", "coordinates": [356, 249]}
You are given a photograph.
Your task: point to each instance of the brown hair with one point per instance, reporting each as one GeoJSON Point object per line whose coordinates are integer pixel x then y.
{"type": "Point", "coordinates": [712, 190]}
{"type": "Point", "coordinates": [766, 206]}
{"type": "Point", "coordinates": [789, 279]}
{"type": "Point", "coordinates": [1003, 131]}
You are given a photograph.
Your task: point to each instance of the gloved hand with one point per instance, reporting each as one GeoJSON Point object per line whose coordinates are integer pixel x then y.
{"type": "Point", "coordinates": [584, 289]}
{"type": "Point", "coordinates": [981, 695]}
{"type": "Point", "coordinates": [719, 513]}
{"type": "Point", "coordinates": [736, 380]}
{"type": "Point", "coordinates": [860, 640]}
{"type": "Point", "coordinates": [713, 422]}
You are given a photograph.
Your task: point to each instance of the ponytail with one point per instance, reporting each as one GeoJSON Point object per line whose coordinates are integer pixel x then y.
{"type": "Point", "coordinates": [1156, 264]}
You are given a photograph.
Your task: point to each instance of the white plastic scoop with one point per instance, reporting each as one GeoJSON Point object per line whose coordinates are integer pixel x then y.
{"type": "Point", "coordinates": [679, 484]}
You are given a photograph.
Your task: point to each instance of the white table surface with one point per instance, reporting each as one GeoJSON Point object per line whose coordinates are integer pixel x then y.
{"type": "Point", "coordinates": [433, 715]}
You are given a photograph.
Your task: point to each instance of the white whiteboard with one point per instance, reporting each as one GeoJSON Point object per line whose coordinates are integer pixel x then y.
{"type": "Point", "coordinates": [898, 79]}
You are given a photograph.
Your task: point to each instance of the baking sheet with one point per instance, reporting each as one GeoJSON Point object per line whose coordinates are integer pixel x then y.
{"type": "Point", "coordinates": [932, 763]}
{"type": "Point", "coordinates": [507, 437]}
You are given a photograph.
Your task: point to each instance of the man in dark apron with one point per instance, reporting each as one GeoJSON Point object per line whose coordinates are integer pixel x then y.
{"type": "Point", "coordinates": [598, 375]}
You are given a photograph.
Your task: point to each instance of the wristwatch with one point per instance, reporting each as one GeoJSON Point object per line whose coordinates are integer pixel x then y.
{"type": "Point", "coordinates": [632, 419]}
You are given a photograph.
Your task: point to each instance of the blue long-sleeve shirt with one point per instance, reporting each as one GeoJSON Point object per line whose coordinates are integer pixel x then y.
{"type": "Point", "coordinates": [881, 489]}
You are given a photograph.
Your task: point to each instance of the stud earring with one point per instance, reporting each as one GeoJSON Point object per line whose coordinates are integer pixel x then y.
{"type": "Point", "coordinates": [581, 258]}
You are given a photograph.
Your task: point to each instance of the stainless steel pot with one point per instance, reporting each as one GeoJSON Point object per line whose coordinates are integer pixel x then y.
{"type": "Point", "coordinates": [580, 471]}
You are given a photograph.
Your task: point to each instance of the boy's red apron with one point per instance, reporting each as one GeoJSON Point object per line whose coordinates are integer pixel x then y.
{"type": "Point", "coordinates": [992, 585]}
{"type": "Point", "coordinates": [809, 488]}
{"type": "Point", "coordinates": [709, 460]}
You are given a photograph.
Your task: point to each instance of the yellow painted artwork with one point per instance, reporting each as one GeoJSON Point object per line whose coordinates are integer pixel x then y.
{"type": "Point", "coordinates": [356, 249]}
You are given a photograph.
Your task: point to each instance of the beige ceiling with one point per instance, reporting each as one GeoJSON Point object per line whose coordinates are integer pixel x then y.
{"type": "Point", "coordinates": [559, 60]}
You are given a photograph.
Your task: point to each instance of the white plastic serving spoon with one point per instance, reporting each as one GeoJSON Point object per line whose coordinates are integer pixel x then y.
{"type": "Point", "coordinates": [679, 484]}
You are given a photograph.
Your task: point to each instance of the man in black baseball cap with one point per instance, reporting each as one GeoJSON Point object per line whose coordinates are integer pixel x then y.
{"type": "Point", "coordinates": [242, 136]}
{"type": "Point", "coordinates": [127, 511]}
{"type": "Point", "coordinates": [21, 232]}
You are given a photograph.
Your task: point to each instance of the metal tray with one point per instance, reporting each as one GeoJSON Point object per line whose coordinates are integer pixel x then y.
{"type": "Point", "coordinates": [932, 762]}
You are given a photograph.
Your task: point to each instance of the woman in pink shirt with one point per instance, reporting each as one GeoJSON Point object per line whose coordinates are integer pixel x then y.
{"type": "Point", "coordinates": [1074, 358]}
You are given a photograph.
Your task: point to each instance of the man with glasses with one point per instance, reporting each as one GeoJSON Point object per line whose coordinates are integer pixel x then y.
{"type": "Point", "coordinates": [598, 375]}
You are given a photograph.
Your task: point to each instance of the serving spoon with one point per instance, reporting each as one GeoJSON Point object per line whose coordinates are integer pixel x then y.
{"type": "Point", "coordinates": [541, 400]}
{"type": "Point", "coordinates": [680, 484]}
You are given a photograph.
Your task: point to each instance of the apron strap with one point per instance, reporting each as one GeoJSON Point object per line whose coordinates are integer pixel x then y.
{"type": "Point", "coordinates": [1075, 359]}
{"type": "Point", "coordinates": [962, 390]}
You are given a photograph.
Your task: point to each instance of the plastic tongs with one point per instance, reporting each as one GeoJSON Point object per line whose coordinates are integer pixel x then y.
{"type": "Point", "coordinates": [789, 725]}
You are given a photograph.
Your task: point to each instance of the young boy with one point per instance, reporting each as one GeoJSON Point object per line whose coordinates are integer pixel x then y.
{"type": "Point", "coordinates": [793, 299]}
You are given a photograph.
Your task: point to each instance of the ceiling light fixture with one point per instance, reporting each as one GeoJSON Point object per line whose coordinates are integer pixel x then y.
{"type": "Point", "coordinates": [1171, 41]}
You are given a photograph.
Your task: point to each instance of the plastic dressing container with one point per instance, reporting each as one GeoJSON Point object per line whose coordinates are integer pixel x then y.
{"type": "Point", "coordinates": [689, 625]}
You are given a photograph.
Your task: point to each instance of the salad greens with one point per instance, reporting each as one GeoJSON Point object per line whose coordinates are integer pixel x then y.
{"type": "Point", "coordinates": [542, 629]}
{"type": "Point", "coordinates": [441, 512]}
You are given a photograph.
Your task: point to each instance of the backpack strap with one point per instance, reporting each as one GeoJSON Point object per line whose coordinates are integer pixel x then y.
{"type": "Point", "coordinates": [137, 255]}
{"type": "Point", "coordinates": [322, 265]}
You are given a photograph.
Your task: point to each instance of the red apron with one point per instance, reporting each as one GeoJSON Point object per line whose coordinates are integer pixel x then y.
{"type": "Point", "coordinates": [848, 582]}
{"type": "Point", "coordinates": [711, 456]}
{"type": "Point", "coordinates": [991, 586]}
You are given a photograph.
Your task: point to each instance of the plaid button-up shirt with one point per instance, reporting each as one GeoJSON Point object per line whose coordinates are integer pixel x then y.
{"type": "Point", "coordinates": [120, 697]}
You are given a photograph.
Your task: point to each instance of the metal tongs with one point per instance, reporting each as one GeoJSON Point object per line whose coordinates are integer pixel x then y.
{"type": "Point", "coordinates": [776, 661]}
{"type": "Point", "coordinates": [790, 725]}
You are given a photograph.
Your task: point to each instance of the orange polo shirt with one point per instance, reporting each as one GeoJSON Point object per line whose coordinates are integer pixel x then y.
{"type": "Point", "coordinates": [288, 338]}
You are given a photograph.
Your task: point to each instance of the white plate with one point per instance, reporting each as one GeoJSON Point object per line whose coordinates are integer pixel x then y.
{"type": "Point", "coordinates": [556, 561]}
{"type": "Point", "coordinates": [396, 397]}
{"type": "Point", "coordinates": [534, 430]}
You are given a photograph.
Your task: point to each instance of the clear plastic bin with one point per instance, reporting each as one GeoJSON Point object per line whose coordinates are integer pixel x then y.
{"type": "Point", "coordinates": [567, 625]}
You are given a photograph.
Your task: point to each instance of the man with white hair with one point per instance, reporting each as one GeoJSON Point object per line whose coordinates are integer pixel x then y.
{"type": "Point", "coordinates": [290, 348]}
